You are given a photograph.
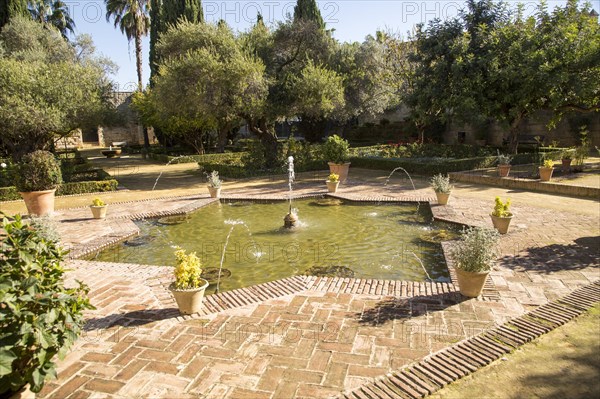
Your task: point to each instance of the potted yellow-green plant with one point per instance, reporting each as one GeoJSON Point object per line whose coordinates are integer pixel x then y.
{"type": "Point", "coordinates": [98, 208]}
{"type": "Point", "coordinates": [441, 186]}
{"type": "Point", "coordinates": [336, 151]}
{"type": "Point", "coordinates": [546, 170]}
{"type": "Point", "coordinates": [503, 164]}
{"type": "Point", "coordinates": [37, 177]}
{"type": "Point", "coordinates": [333, 181]}
{"type": "Point", "coordinates": [473, 257]}
{"type": "Point", "coordinates": [188, 288]}
{"type": "Point", "coordinates": [501, 215]}
{"type": "Point", "coordinates": [214, 184]}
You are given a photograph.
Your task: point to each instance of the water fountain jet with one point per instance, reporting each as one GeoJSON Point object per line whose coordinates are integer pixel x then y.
{"type": "Point", "coordinates": [291, 219]}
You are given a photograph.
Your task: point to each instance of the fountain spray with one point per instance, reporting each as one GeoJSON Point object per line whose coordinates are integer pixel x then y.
{"type": "Point", "coordinates": [291, 218]}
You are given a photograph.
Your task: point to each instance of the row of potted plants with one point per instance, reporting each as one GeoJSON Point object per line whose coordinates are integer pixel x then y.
{"type": "Point", "coordinates": [501, 215]}
{"type": "Point", "coordinates": [545, 170]}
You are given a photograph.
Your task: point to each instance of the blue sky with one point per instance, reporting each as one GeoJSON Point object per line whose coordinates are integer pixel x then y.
{"type": "Point", "coordinates": [352, 20]}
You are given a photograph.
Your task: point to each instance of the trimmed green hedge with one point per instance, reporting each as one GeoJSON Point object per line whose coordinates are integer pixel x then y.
{"type": "Point", "coordinates": [207, 158]}
{"type": "Point", "coordinates": [239, 171]}
{"type": "Point", "coordinates": [430, 167]}
{"type": "Point", "coordinates": [11, 193]}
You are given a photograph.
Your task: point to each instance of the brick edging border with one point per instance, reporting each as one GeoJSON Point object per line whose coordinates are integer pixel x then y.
{"type": "Point", "coordinates": [450, 364]}
{"type": "Point", "coordinates": [526, 184]}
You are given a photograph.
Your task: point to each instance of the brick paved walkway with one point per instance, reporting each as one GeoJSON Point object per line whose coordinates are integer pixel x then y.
{"type": "Point", "coordinates": [327, 336]}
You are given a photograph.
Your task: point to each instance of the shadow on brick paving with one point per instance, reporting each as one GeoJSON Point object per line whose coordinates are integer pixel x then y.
{"type": "Point", "coordinates": [584, 253]}
{"type": "Point", "coordinates": [400, 308]}
{"type": "Point", "coordinates": [131, 319]}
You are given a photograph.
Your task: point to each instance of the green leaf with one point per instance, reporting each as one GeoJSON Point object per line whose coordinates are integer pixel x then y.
{"type": "Point", "coordinates": [6, 359]}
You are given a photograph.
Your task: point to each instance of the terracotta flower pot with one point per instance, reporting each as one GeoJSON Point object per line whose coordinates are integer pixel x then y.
{"type": "Point", "coordinates": [332, 186]}
{"type": "Point", "coordinates": [189, 301]}
{"type": "Point", "coordinates": [501, 224]}
{"type": "Point", "coordinates": [214, 192]}
{"type": "Point", "coordinates": [566, 165]}
{"type": "Point", "coordinates": [340, 169]}
{"type": "Point", "coordinates": [442, 198]}
{"type": "Point", "coordinates": [546, 173]}
{"type": "Point", "coordinates": [471, 284]}
{"type": "Point", "coordinates": [99, 212]}
{"type": "Point", "coordinates": [39, 203]}
{"type": "Point", "coordinates": [503, 170]}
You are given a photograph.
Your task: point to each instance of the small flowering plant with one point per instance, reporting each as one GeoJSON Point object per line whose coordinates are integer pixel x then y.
{"type": "Point", "coordinates": [503, 159]}
{"type": "Point", "coordinates": [98, 202]}
{"type": "Point", "coordinates": [213, 179]}
{"type": "Point", "coordinates": [548, 164]}
{"type": "Point", "coordinates": [476, 250]}
{"type": "Point", "coordinates": [188, 270]}
{"type": "Point", "coordinates": [501, 209]}
{"type": "Point", "coordinates": [333, 178]}
{"type": "Point", "coordinates": [441, 184]}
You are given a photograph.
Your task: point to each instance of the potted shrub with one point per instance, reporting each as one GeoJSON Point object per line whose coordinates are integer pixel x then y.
{"type": "Point", "coordinates": [214, 184]}
{"type": "Point", "coordinates": [501, 215]}
{"type": "Point", "coordinates": [188, 288]}
{"type": "Point", "coordinates": [40, 318]}
{"type": "Point", "coordinates": [566, 159]}
{"type": "Point", "coordinates": [333, 181]}
{"type": "Point", "coordinates": [503, 164]}
{"type": "Point", "coordinates": [98, 208]}
{"type": "Point", "coordinates": [441, 186]}
{"type": "Point", "coordinates": [546, 170]}
{"type": "Point", "coordinates": [336, 152]}
{"type": "Point", "coordinates": [37, 177]}
{"type": "Point", "coordinates": [473, 257]}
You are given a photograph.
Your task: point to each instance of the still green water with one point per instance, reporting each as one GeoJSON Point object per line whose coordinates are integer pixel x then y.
{"type": "Point", "coordinates": [381, 241]}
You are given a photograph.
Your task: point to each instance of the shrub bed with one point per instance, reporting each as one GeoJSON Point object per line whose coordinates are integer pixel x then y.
{"type": "Point", "coordinates": [432, 166]}
{"type": "Point", "coordinates": [206, 158]}
{"type": "Point", "coordinates": [84, 187]}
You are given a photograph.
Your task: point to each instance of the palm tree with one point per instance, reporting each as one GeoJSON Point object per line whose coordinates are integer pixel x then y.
{"type": "Point", "coordinates": [133, 18]}
{"type": "Point", "coordinates": [52, 12]}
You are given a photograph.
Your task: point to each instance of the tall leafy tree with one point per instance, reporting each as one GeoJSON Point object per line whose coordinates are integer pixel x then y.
{"type": "Point", "coordinates": [307, 10]}
{"type": "Point", "coordinates": [490, 63]}
{"type": "Point", "coordinates": [53, 12]}
{"type": "Point", "coordinates": [156, 27]}
{"type": "Point", "coordinates": [205, 84]}
{"type": "Point", "coordinates": [11, 8]}
{"type": "Point", "coordinates": [175, 10]}
{"type": "Point", "coordinates": [133, 19]}
{"type": "Point", "coordinates": [166, 14]}
{"type": "Point", "coordinates": [49, 87]}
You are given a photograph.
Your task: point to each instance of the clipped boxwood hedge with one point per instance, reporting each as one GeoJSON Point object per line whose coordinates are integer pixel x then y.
{"type": "Point", "coordinates": [11, 193]}
{"type": "Point", "coordinates": [239, 171]}
{"type": "Point", "coordinates": [206, 158]}
{"type": "Point", "coordinates": [429, 167]}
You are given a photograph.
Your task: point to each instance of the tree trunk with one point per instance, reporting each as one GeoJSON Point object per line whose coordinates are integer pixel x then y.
{"type": "Point", "coordinates": [267, 136]}
{"type": "Point", "coordinates": [222, 139]}
{"type": "Point", "coordinates": [313, 130]}
{"type": "Point", "coordinates": [513, 138]}
{"type": "Point", "coordinates": [138, 60]}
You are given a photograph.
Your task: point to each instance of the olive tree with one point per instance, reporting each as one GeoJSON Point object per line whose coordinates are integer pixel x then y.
{"type": "Point", "coordinates": [205, 83]}
{"type": "Point", "coordinates": [48, 88]}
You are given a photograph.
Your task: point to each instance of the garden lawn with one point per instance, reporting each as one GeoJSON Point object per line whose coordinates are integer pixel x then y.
{"type": "Point", "coordinates": [565, 363]}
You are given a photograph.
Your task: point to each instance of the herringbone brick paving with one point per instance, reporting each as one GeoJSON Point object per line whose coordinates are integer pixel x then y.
{"type": "Point", "coordinates": [315, 343]}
